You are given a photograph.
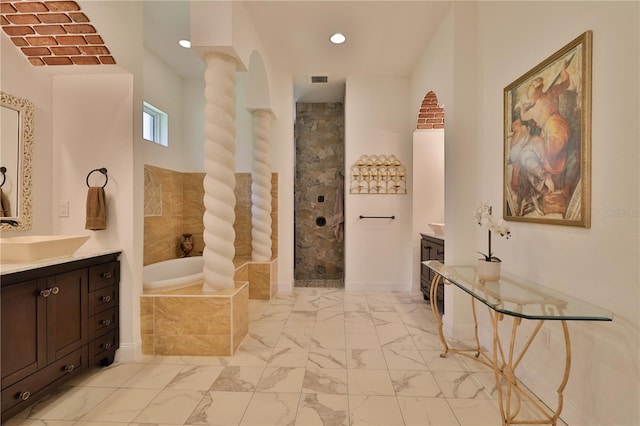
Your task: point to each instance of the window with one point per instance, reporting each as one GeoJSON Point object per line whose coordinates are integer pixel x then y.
{"type": "Point", "coordinates": [155, 124]}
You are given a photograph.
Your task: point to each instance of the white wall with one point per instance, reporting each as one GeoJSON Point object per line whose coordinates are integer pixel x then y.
{"type": "Point", "coordinates": [377, 251]}
{"type": "Point", "coordinates": [428, 191]}
{"type": "Point", "coordinates": [283, 163]}
{"type": "Point", "coordinates": [163, 89]}
{"type": "Point", "coordinates": [598, 265]}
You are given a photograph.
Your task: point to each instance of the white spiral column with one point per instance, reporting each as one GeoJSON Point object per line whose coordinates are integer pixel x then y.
{"type": "Point", "coordinates": [219, 164]}
{"type": "Point", "coordinates": [261, 187]}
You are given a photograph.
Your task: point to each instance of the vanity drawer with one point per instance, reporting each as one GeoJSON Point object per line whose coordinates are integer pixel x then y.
{"type": "Point", "coordinates": [104, 347]}
{"type": "Point", "coordinates": [104, 275]}
{"type": "Point", "coordinates": [102, 299]}
{"type": "Point", "coordinates": [102, 323]}
{"type": "Point", "coordinates": [33, 387]}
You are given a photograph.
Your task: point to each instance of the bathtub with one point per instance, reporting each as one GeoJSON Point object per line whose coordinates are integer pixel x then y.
{"type": "Point", "coordinates": [172, 273]}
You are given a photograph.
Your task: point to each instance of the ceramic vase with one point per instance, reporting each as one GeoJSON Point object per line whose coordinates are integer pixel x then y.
{"type": "Point", "coordinates": [186, 244]}
{"type": "Point", "coordinates": [488, 271]}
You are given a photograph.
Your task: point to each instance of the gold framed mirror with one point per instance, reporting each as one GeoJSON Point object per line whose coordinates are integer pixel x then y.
{"type": "Point", "coordinates": [16, 150]}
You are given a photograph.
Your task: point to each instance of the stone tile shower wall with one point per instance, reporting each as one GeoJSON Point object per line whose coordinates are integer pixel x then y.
{"type": "Point", "coordinates": [173, 205]}
{"type": "Point", "coordinates": [319, 134]}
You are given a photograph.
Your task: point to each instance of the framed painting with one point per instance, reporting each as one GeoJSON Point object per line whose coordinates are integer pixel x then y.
{"type": "Point", "coordinates": [547, 140]}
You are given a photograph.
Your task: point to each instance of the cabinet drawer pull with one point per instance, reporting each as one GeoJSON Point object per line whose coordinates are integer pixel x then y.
{"type": "Point", "coordinates": [106, 345]}
{"type": "Point", "coordinates": [55, 290]}
{"type": "Point", "coordinates": [105, 322]}
{"type": "Point", "coordinates": [24, 395]}
{"type": "Point", "coordinates": [440, 253]}
{"type": "Point", "coordinates": [106, 275]}
{"type": "Point", "coordinates": [105, 299]}
{"type": "Point", "coordinates": [45, 292]}
{"type": "Point", "coordinates": [69, 368]}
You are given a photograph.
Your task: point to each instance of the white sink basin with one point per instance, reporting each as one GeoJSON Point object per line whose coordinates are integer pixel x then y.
{"type": "Point", "coordinates": [32, 248]}
{"type": "Point", "coordinates": [437, 228]}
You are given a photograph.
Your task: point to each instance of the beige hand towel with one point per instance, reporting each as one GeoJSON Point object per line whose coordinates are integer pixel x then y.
{"type": "Point", "coordinates": [5, 207]}
{"type": "Point", "coordinates": [96, 209]}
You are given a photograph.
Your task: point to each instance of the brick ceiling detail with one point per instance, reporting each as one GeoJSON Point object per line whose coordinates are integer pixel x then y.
{"type": "Point", "coordinates": [53, 33]}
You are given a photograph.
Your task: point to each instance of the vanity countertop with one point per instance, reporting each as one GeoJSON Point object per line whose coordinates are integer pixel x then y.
{"type": "Point", "coordinates": [11, 268]}
{"type": "Point", "coordinates": [432, 234]}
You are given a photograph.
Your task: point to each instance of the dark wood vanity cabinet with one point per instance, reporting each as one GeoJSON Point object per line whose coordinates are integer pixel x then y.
{"type": "Point", "coordinates": [57, 321]}
{"type": "Point", "coordinates": [431, 248]}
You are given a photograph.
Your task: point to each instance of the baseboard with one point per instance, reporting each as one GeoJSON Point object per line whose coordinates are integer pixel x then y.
{"type": "Point", "coordinates": [457, 331]}
{"type": "Point", "coordinates": [129, 352]}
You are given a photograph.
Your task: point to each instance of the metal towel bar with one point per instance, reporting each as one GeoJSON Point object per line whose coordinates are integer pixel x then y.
{"type": "Point", "coordinates": [377, 217]}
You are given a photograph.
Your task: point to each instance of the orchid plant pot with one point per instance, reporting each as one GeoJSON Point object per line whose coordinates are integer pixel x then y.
{"type": "Point", "coordinates": [488, 270]}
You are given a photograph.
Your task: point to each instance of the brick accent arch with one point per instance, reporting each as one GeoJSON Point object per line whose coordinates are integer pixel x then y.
{"type": "Point", "coordinates": [431, 115]}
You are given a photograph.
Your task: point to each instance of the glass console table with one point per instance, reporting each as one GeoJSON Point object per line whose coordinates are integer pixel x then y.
{"type": "Point", "coordinates": [521, 299]}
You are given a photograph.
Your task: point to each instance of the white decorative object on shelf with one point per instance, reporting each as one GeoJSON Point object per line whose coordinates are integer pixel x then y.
{"type": "Point", "coordinates": [378, 174]}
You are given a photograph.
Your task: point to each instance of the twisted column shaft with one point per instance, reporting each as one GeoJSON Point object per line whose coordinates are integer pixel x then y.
{"type": "Point", "coordinates": [261, 187]}
{"type": "Point", "coordinates": [219, 163]}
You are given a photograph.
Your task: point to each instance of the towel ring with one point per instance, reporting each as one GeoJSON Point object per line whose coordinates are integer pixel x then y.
{"type": "Point", "coordinates": [101, 170]}
{"type": "Point", "coordinates": [3, 170]}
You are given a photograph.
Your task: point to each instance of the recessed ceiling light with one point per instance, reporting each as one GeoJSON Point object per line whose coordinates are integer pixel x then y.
{"type": "Point", "coordinates": [337, 38]}
{"type": "Point", "coordinates": [185, 43]}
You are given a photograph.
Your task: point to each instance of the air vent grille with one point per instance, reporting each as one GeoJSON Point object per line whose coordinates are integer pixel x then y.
{"type": "Point", "coordinates": [319, 79]}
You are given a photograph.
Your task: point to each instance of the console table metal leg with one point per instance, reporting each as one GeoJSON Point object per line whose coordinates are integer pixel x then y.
{"type": "Point", "coordinates": [433, 291]}
{"type": "Point", "coordinates": [505, 375]}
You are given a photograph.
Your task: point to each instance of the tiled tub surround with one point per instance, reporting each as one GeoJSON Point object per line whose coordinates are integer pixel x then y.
{"type": "Point", "coordinates": [188, 321]}
{"type": "Point", "coordinates": [173, 205]}
{"type": "Point", "coordinates": [312, 357]}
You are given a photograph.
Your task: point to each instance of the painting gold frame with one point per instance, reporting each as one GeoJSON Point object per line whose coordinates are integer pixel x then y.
{"type": "Point", "coordinates": [547, 139]}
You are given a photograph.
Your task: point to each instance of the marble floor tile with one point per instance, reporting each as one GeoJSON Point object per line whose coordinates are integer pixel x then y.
{"type": "Point", "coordinates": [331, 315]}
{"type": "Point", "coordinates": [295, 339]}
{"type": "Point", "coordinates": [328, 339]}
{"type": "Point", "coordinates": [404, 359]}
{"type": "Point", "coordinates": [123, 405]}
{"type": "Point", "coordinates": [451, 362]}
{"type": "Point", "coordinates": [315, 356]}
{"type": "Point", "coordinates": [287, 356]}
{"type": "Point", "coordinates": [265, 326]}
{"type": "Point", "coordinates": [322, 410]}
{"type": "Point", "coordinates": [220, 408]}
{"type": "Point", "coordinates": [415, 383]}
{"type": "Point", "coordinates": [195, 377]}
{"type": "Point", "coordinates": [460, 385]}
{"type": "Point", "coordinates": [111, 377]}
{"type": "Point", "coordinates": [419, 411]}
{"type": "Point", "coordinates": [153, 376]}
{"type": "Point", "coordinates": [170, 406]}
{"type": "Point", "coordinates": [264, 340]}
{"type": "Point", "coordinates": [191, 360]}
{"type": "Point", "coordinates": [68, 403]}
{"type": "Point", "coordinates": [370, 382]}
{"type": "Point", "coordinates": [271, 409]}
{"type": "Point", "coordinates": [369, 359]}
{"type": "Point", "coordinates": [281, 379]}
{"type": "Point", "coordinates": [276, 313]}
{"type": "Point", "coordinates": [238, 379]}
{"type": "Point", "coordinates": [325, 380]}
{"type": "Point", "coordinates": [327, 358]}
{"type": "Point", "coordinates": [475, 412]}
{"type": "Point", "coordinates": [255, 357]}
{"type": "Point", "coordinates": [301, 316]}
{"type": "Point", "coordinates": [367, 410]}
{"type": "Point", "coordinates": [362, 341]}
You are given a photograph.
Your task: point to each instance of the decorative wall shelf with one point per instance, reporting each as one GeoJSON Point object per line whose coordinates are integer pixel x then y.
{"type": "Point", "coordinates": [378, 174]}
